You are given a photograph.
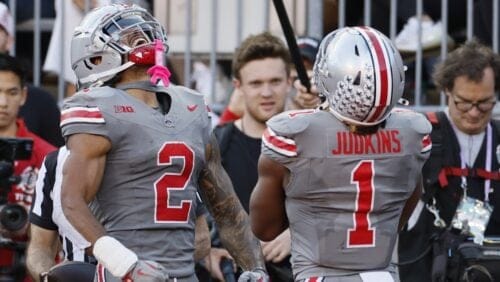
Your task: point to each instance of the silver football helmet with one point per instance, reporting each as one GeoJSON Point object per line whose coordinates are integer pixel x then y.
{"type": "Point", "coordinates": [360, 72]}
{"type": "Point", "coordinates": [111, 39]}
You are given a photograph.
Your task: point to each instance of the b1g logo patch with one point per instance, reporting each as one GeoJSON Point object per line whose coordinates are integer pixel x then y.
{"type": "Point", "coordinates": [123, 109]}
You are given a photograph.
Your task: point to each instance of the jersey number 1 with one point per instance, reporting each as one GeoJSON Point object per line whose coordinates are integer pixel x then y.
{"type": "Point", "coordinates": [173, 181]}
{"type": "Point", "coordinates": [362, 235]}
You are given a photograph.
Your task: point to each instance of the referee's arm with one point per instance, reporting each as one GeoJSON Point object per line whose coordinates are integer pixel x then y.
{"type": "Point", "coordinates": [42, 250]}
{"type": "Point", "coordinates": [44, 236]}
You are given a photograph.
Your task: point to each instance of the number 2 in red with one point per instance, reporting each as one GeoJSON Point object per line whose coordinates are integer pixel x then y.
{"type": "Point", "coordinates": [173, 181]}
{"type": "Point", "coordinates": [362, 234]}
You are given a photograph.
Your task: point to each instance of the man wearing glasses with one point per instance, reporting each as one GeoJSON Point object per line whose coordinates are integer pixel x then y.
{"type": "Point", "coordinates": [464, 158]}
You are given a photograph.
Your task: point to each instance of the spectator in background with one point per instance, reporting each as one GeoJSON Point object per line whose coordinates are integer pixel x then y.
{"type": "Point", "coordinates": [308, 47]}
{"type": "Point", "coordinates": [465, 144]}
{"type": "Point", "coordinates": [40, 111]}
{"type": "Point", "coordinates": [13, 93]}
{"type": "Point", "coordinates": [261, 70]}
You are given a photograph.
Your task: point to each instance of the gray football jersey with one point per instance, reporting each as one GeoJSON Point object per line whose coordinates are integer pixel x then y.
{"type": "Point", "coordinates": [147, 196]}
{"type": "Point", "coordinates": [346, 191]}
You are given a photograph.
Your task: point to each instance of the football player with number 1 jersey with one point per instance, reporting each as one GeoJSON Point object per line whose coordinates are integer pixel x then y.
{"type": "Point", "coordinates": [344, 177]}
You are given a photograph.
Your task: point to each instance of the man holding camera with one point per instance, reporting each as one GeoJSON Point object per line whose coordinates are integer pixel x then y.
{"type": "Point", "coordinates": [464, 164]}
{"type": "Point", "coordinates": [18, 165]}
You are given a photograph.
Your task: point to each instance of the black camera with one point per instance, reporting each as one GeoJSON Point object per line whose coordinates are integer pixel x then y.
{"type": "Point", "coordinates": [12, 216]}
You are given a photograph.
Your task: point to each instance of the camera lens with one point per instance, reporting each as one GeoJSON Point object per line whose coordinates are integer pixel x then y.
{"type": "Point", "coordinates": [13, 217]}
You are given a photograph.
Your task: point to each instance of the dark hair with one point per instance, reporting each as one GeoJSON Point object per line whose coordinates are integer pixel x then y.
{"type": "Point", "coordinates": [257, 47]}
{"type": "Point", "coordinates": [470, 60]}
{"type": "Point", "coordinates": [9, 63]}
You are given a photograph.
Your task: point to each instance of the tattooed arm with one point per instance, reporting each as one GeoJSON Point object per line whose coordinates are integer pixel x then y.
{"type": "Point", "coordinates": [225, 207]}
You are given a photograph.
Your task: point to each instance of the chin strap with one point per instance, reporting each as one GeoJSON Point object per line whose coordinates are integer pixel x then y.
{"type": "Point", "coordinates": [159, 72]}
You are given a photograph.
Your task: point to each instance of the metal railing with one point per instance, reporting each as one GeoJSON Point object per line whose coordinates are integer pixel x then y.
{"type": "Point", "coordinates": [419, 54]}
{"type": "Point", "coordinates": [314, 24]}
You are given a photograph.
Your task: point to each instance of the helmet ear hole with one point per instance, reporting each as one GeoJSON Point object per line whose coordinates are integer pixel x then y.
{"type": "Point", "coordinates": [356, 50]}
{"type": "Point", "coordinates": [96, 60]}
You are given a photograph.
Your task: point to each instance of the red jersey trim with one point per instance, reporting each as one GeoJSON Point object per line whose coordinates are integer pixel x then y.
{"type": "Point", "coordinates": [314, 279]}
{"type": "Point", "coordinates": [81, 114]}
{"type": "Point", "coordinates": [279, 144]}
{"type": "Point", "coordinates": [426, 144]}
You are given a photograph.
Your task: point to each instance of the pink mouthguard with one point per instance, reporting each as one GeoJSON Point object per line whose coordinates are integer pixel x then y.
{"type": "Point", "coordinates": [159, 72]}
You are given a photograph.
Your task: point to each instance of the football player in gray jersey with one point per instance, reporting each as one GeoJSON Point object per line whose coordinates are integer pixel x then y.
{"type": "Point", "coordinates": [344, 177]}
{"type": "Point", "coordinates": [140, 149]}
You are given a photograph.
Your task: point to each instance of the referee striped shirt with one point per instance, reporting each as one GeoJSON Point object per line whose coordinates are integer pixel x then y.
{"type": "Point", "coordinates": [43, 205]}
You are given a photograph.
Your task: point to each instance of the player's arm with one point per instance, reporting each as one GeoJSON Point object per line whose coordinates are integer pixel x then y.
{"type": "Point", "coordinates": [225, 207]}
{"type": "Point", "coordinates": [42, 250]}
{"type": "Point", "coordinates": [267, 203]}
{"type": "Point", "coordinates": [201, 238]}
{"type": "Point", "coordinates": [82, 174]}
{"type": "Point", "coordinates": [410, 205]}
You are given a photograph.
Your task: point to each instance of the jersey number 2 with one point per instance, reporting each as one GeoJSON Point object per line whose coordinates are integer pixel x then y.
{"type": "Point", "coordinates": [362, 234]}
{"type": "Point", "coordinates": [173, 181]}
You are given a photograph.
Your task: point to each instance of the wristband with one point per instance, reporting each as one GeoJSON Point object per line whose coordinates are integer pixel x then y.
{"type": "Point", "coordinates": [114, 256]}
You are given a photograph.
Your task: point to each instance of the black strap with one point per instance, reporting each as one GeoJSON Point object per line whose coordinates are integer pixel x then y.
{"type": "Point", "coordinates": [434, 164]}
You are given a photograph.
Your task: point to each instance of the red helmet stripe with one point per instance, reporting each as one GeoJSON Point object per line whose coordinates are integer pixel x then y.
{"type": "Point", "coordinates": [382, 69]}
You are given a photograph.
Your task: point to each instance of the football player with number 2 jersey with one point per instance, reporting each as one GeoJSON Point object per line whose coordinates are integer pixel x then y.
{"type": "Point", "coordinates": [139, 151]}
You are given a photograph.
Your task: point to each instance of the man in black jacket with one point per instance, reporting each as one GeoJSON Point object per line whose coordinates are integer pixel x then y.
{"type": "Point", "coordinates": [463, 158]}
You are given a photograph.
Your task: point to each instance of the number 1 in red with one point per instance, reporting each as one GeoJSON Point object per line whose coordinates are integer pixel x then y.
{"type": "Point", "coordinates": [362, 234]}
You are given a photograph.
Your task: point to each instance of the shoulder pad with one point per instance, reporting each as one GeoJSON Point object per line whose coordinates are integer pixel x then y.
{"type": "Point", "coordinates": [89, 96]}
{"type": "Point", "coordinates": [181, 90]}
{"type": "Point", "coordinates": [290, 122]}
{"type": "Point", "coordinates": [104, 91]}
{"type": "Point", "coordinates": [78, 100]}
{"type": "Point", "coordinates": [416, 120]}
{"type": "Point", "coordinates": [81, 108]}
{"type": "Point", "coordinates": [186, 95]}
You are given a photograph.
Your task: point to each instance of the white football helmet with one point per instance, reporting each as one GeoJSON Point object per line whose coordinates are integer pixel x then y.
{"type": "Point", "coordinates": [361, 73]}
{"type": "Point", "coordinates": [111, 39]}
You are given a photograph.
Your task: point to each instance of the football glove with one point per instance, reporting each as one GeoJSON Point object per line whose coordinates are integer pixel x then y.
{"type": "Point", "coordinates": [255, 275]}
{"type": "Point", "coordinates": [147, 271]}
